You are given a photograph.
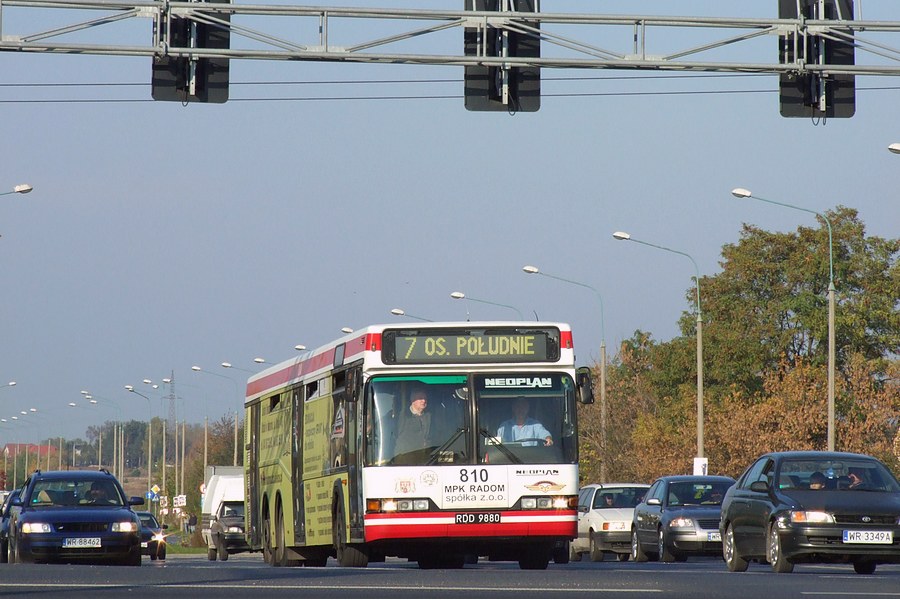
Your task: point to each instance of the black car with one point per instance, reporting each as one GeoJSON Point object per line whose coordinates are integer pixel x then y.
{"type": "Point", "coordinates": [153, 540]}
{"type": "Point", "coordinates": [74, 516]}
{"type": "Point", "coordinates": [5, 512]}
{"type": "Point", "coordinates": [804, 507]}
{"type": "Point", "coordinates": [679, 517]}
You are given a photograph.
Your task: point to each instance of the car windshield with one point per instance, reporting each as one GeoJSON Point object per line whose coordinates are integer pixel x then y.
{"type": "Point", "coordinates": [619, 497]}
{"type": "Point", "coordinates": [854, 474]}
{"type": "Point", "coordinates": [75, 492]}
{"type": "Point", "coordinates": [683, 493]}
{"type": "Point", "coordinates": [149, 521]}
{"type": "Point", "coordinates": [233, 509]}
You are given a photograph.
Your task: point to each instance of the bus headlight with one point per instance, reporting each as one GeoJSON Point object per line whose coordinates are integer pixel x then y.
{"type": "Point", "coordinates": [547, 502]}
{"type": "Point", "coordinates": [374, 505]}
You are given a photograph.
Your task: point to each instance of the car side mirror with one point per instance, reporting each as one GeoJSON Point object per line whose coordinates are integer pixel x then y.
{"type": "Point", "coordinates": [164, 526]}
{"type": "Point", "coordinates": [759, 486]}
{"type": "Point", "coordinates": [654, 502]}
{"type": "Point", "coordinates": [16, 502]}
{"type": "Point", "coordinates": [135, 501]}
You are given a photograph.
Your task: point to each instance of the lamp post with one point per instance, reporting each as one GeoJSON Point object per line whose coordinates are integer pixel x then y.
{"type": "Point", "coordinates": [131, 389]}
{"type": "Point", "coordinates": [895, 148]}
{"type": "Point", "coordinates": [22, 188]}
{"type": "Point", "coordinates": [197, 369]}
{"type": "Point", "coordinates": [532, 270]}
{"type": "Point", "coordinates": [462, 296]}
{"type": "Point", "coordinates": [399, 312]}
{"type": "Point", "coordinates": [621, 235]}
{"type": "Point", "coordinates": [744, 193]}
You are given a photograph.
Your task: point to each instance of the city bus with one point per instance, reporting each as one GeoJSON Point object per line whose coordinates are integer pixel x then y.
{"type": "Point", "coordinates": [329, 471]}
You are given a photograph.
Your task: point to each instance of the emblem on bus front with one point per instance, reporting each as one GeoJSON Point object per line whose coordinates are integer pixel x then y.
{"type": "Point", "coordinates": [545, 486]}
{"type": "Point", "coordinates": [405, 486]}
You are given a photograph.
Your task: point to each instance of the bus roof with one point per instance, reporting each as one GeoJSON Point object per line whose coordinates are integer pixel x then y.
{"type": "Point", "coordinates": [356, 344]}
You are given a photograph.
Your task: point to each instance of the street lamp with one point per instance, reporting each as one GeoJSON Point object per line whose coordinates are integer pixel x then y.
{"type": "Point", "coordinates": [399, 312]}
{"type": "Point", "coordinates": [10, 384]}
{"type": "Point", "coordinates": [743, 193]}
{"type": "Point", "coordinates": [895, 148]}
{"type": "Point", "coordinates": [22, 188]}
{"type": "Point", "coordinates": [621, 235]}
{"type": "Point", "coordinates": [197, 369]}
{"type": "Point", "coordinates": [462, 296]}
{"type": "Point", "coordinates": [532, 270]}
{"type": "Point", "coordinates": [131, 389]}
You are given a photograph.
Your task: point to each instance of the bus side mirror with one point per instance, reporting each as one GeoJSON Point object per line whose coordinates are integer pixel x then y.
{"type": "Point", "coordinates": [584, 385]}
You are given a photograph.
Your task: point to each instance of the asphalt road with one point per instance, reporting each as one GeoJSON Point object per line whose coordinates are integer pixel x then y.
{"type": "Point", "coordinates": [246, 576]}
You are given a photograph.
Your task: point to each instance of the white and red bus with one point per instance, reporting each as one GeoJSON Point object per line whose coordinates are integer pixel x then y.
{"type": "Point", "coordinates": [329, 473]}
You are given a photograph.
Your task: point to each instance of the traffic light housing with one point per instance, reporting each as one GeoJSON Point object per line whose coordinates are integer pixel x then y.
{"type": "Point", "coordinates": [497, 88]}
{"type": "Point", "coordinates": [181, 79]}
{"type": "Point", "coordinates": [812, 94]}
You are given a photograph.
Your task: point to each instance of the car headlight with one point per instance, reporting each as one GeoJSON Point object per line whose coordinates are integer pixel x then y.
{"type": "Point", "coordinates": [811, 516]}
{"type": "Point", "coordinates": [158, 537]}
{"type": "Point", "coordinates": [235, 529]}
{"type": "Point", "coordinates": [36, 528]}
{"type": "Point", "coordinates": [681, 523]}
{"type": "Point", "coordinates": [124, 527]}
{"type": "Point", "coordinates": [615, 526]}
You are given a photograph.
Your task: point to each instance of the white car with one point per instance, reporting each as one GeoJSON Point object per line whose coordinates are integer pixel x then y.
{"type": "Point", "coordinates": [605, 512]}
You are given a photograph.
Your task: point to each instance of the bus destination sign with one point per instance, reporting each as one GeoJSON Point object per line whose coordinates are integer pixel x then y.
{"type": "Point", "coordinates": [431, 346]}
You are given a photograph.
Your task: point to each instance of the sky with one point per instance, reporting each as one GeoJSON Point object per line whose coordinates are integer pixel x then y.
{"type": "Point", "coordinates": [160, 236]}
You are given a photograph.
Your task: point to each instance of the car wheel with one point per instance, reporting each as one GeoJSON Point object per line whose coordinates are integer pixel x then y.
{"type": "Point", "coordinates": [623, 557]}
{"type": "Point", "coordinates": [734, 561]}
{"type": "Point", "coordinates": [663, 551]}
{"type": "Point", "coordinates": [864, 567]}
{"type": "Point", "coordinates": [4, 552]}
{"type": "Point", "coordinates": [637, 553]}
{"type": "Point", "coordinates": [574, 555]}
{"type": "Point", "coordinates": [211, 553]}
{"type": "Point", "coordinates": [776, 557]}
{"type": "Point", "coordinates": [161, 555]}
{"type": "Point", "coordinates": [596, 553]}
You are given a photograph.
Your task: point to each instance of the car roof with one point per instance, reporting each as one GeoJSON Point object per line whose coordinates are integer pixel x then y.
{"type": "Point", "coordinates": [614, 485]}
{"type": "Point", "coordinates": [82, 474]}
{"type": "Point", "coordinates": [818, 454]}
{"type": "Point", "coordinates": [718, 478]}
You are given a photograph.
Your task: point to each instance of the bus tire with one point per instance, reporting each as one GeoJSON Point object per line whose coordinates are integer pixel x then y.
{"type": "Point", "coordinates": [280, 550]}
{"type": "Point", "coordinates": [268, 553]}
{"type": "Point", "coordinates": [535, 558]}
{"type": "Point", "coordinates": [348, 555]}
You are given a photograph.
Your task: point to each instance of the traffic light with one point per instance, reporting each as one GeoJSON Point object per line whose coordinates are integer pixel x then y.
{"type": "Point", "coordinates": [812, 94]}
{"type": "Point", "coordinates": [494, 88]}
{"type": "Point", "coordinates": [180, 79]}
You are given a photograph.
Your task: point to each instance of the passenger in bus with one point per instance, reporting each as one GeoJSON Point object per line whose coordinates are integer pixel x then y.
{"type": "Point", "coordinates": [414, 428]}
{"type": "Point", "coordinates": [522, 427]}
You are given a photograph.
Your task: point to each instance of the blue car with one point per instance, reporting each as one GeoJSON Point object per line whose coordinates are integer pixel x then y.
{"type": "Point", "coordinates": [74, 516]}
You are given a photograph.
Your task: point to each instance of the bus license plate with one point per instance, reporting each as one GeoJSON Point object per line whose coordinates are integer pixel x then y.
{"type": "Point", "coordinates": [714, 536]}
{"type": "Point", "coordinates": [476, 518]}
{"type": "Point", "coordinates": [868, 537]}
{"type": "Point", "coordinates": [84, 542]}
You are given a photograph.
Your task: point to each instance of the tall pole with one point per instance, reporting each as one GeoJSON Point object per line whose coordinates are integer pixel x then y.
{"type": "Point", "coordinates": [235, 438]}
{"type": "Point", "coordinates": [744, 193]}
{"type": "Point", "coordinates": [701, 453]}
{"type": "Point", "coordinates": [131, 389]}
{"type": "Point", "coordinates": [532, 270]}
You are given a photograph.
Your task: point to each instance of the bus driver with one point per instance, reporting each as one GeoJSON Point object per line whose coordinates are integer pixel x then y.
{"type": "Point", "coordinates": [523, 427]}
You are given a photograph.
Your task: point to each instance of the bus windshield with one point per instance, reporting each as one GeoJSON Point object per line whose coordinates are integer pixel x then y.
{"type": "Point", "coordinates": [503, 418]}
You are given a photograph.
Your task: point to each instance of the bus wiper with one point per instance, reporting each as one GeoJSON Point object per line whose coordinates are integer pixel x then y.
{"type": "Point", "coordinates": [437, 452]}
{"type": "Point", "coordinates": [497, 443]}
